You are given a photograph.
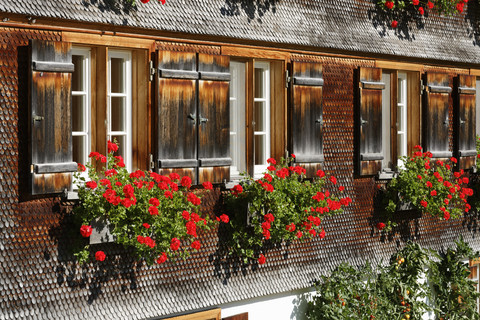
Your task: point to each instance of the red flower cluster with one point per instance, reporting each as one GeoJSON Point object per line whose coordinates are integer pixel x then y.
{"type": "Point", "coordinates": [86, 231]}
{"type": "Point", "coordinates": [100, 256]}
{"type": "Point", "coordinates": [149, 242]}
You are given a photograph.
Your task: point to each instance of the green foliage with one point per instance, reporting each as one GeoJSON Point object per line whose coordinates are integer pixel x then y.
{"type": "Point", "coordinates": [395, 291]}
{"type": "Point", "coordinates": [455, 294]}
{"type": "Point", "coordinates": [402, 7]}
{"type": "Point", "coordinates": [281, 206]}
{"type": "Point", "coordinates": [430, 187]}
{"type": "Point", "coordinates": [144, 210]}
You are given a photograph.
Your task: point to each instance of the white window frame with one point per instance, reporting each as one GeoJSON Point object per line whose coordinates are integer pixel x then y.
{"type": "Point", "coordinates": [86, 93]}
{"type": "Point", "coordinates": [127, 133]}
{"type": "Point", "coordinates": [237, 119]}
{"type": "Point", "coordinates": [260, 168]}
{"type": "Point", "coordinates": [402, 107]}
{"type": "Point", "coordinates": [386, 119]}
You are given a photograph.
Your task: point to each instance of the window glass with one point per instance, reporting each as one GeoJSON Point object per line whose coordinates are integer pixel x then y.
{"type": "Point", "coordinates": [119, 107]}
{"type": "Point", "coordinates": [237, 119]}
{"type": "Point", "coordinates": [81, 105]}
{"type": "Point", "coordinates": [401, 117]}
{"type": "Point", "coordinates": [261, 116]}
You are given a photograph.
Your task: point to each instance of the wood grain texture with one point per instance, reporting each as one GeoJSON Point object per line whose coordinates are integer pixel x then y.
{"type": "Point", "coordinates": [50, 119]}
{"type": "Point", "coordinates": [464, 120]}
{"type": "Point", "coordinates": [369, 122]}
{"type": "Point", "coordinates": [306, 114]}
{"type": "Point", "coordinates": [435, 115]}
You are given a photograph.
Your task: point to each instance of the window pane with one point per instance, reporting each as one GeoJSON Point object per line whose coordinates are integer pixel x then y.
{"type": "Point", "coordinates": [78, 113]}
{"type": "Point", "coordinates": [117, 114]}
{"type": "Point", "coordinates": [79, 149]}
{"type": "Point", "coordinates": [259, 83]}
{"type": "Point", "coordinates": [259, 116]}
{"type": "Point", "coordinates": [260, 150]}
{"type": "Point", "coordinates": [117, 75]}
{"type": "Point", "coordinates": [77, 78]}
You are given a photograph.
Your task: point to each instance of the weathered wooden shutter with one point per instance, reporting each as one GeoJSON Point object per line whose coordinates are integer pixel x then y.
{"type": "Point", "coordinates": [369, 121]}
{"type": "Point", "coordinates": [306, 115]}
{"type": "Point", "coordinates": [214, 118]}
{"type": "Point", "coordinates": [435, 114]}
{"type": "Point", "coordinates": [50, 120]}
{"type": "Point", "coordinates": [464, 124]}
{"type": "Point", "coordinates": [176, 113]}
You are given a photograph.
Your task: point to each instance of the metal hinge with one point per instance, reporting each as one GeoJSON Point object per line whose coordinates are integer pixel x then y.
{"type": "Point", "coordinates": [152, 163]}
{"type": "Point", "coordinates": [152, 70]}
{"type": "Point", "coordinates": [422, 87]}
{"type": "Point", "coordinates": [287, 79]}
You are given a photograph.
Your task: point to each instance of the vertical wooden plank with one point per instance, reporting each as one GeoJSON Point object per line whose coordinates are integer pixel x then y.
{"type": "Point", "coordinates": [464, 122]}
{"type": "Point", "coordinates": [50, 122]}
{"type": "Point", "coordinates": [306, 114]}
{"type": "Point", "coordinates": [278, 110]}
{"type": "Point", "coordinates": [369, 121]}
{"type": "Point", "coordinates": [176, 116]}
{"type": "Point", "coordinates": [213, 116]}
{"type": "Point", "coordinates": [140, 71]}
{"type": "Point", "coordinates": [435, 114]}
{"type": "Point", "coordinates": [414, 111]}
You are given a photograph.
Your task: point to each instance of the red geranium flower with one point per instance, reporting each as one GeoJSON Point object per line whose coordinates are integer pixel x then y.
{"type": "Point", "coordinates": [91, 184]}
{"type": "Point", "coordinates": [207, 185]}
{"type": "Point", "coordinates": [272, 161]}
{"type": "Point", "coordinates": [430, 5]}
{"type": "Point", "coordinates": [81, 167]}
{"type": "Point", "coordinates": [394, 23]}
{"type": "Point", "coordinates": [322, 234]}
{"type": "Point", "coordinates": [421, 11]}
{"type": "Point", "coordinates": [389, 4]}
{"type": "Point", "coordinates": [333, 180]}
{"type": "Point", "coordinates": [237, 189]}
{"type": "Point", "coordinates": [175, 244]}
{"type": "Point", "coordinates": [186, 182]}
{"type": "Point", "coordinates": [146, 225]}
{"type": "Point", "coordinates": [161, 259]}
{"type": "Point", "coordinates": [415, 2]}
{"type": "Point", "coordinates": [380, 226]}
{"type": "Point", "coordinates": [261, 259]}
{"type": "Point", "coordinates": [112, 147]}
{"type": "Point", "coordinates": [196, 245]}
{"type": "Point", "coordinates": [86, 231]}
{"type": "Point", "coordinates": [100, 256]}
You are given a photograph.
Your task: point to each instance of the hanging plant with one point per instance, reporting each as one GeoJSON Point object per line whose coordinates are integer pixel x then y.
{"type": "Point", "coordinates": [158, 216]}
{"type": "Point", "coordinates": [431, 187]}
{"type": "Point", "coordinates": [281, 206]}
{"type": "Point", "coordinates": [401, 10]}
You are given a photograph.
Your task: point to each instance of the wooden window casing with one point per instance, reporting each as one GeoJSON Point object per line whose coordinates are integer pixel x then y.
{"type": "Point", "coordinates": [204, 315]}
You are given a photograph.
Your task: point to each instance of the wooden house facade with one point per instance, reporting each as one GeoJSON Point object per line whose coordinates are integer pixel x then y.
{"type": "Point", "coordinates": [210, 89]}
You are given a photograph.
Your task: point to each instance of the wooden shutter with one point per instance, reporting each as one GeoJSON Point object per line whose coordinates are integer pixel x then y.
{"type": "Point", "coordinates": [435, 114]}
{"type": "Point", "coordinates": [50, 121]}
{"type": "Point", "coordinates": [214, 118]}
{"type": "Point", "coordinates": [176, 113]}
{"type": "Point", "coordinates": [306, 115]}
{"type": "Point", "coordinates": [241, 316]}
{"type": "Point", "coordinates": [464, 124]}
{"type": "Point", "coordinates": [369, 121]}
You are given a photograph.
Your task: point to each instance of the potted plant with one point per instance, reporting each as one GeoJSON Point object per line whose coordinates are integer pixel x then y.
{"type": "Point", "coordinates": [158, 216]}
{"type": "Point", "coordinates": [431, 187]}
{"type": "Point", "coordinates": [281, 206]}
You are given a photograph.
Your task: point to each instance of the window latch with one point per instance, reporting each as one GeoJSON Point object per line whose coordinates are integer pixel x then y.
{"type": "Point", "coordinates": [363, 121]}
{"type": "Point", "coordinates": [38, 118]}
{"type": "Point", "coordinates": [462, 122]}
{"type": "Point", "coordinates": [193, 118]}
{"type": "Point", "coordinates": [152, 163]}
{"type": "Point", "coordinates": [287, 79]}
{"type": "Point", "coordinates": [319, 120]}
{"type": "Point", "coordinates": [152, 70]}
{"type": "Point", "coordinates": [202, 120]}
{"type": "Point", "coordinates": [446, 121]}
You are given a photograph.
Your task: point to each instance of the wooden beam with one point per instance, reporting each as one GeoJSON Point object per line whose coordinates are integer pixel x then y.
{"type": "Point", "coordinates": [108, 40]}
{"type": "Point", "coordinates": [205, 315]}
{"type": "Point", "coordinates": [254, 53]}
{"type": "Point", "coordinates": [396, 65]}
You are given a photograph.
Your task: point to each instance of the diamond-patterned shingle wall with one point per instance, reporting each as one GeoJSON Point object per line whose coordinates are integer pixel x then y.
{"type": "Point", "coordinates": [342, 24]}
{"type": "Point", "coordinates": [39, 280]}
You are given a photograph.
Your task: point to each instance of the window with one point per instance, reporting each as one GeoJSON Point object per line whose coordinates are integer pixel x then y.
{"type": "Point", "coordinates": [237, 118]}
{"type": "Point", "coordinates": [400, 116]}
{"type": "Point", "coordinates": [260, 122]}
{"type": "Point", "coordinates": [119, 103]}
{"type": "Point", "coordinates": [474, 275]}
{"type": "Point", "coordinates": [257, 115]}
{"type": "Point", "coordinates": [81, 105]}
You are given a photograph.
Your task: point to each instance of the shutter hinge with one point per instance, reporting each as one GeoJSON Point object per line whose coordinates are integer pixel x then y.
{"type": "Point", "coordinates": [422, 87]}
{"type": "Point", "coordinates": [287, 79]}
{"type": "Point", "coordinates": [152, 70]}
{"type": "Point", "coordinates": [151, 162]}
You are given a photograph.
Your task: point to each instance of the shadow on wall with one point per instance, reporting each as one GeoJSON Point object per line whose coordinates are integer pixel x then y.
{"type": "Point", "coordinates": [472, 17]}
{"type": "Point", "coordinates": [120, 265]}
{"type": "Point", "coordinates": [300, 306]}
{"type": "Point", "coordinates": [116, 6]}
{"type": "Point", "coordinates": [250, 7]}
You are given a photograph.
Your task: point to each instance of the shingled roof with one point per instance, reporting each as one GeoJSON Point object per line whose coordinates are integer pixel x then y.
{"type": "Point", "coordinates": [351, 25]}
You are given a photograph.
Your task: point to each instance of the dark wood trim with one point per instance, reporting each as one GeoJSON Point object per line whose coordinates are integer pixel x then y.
{"type": "Point", "coordinates": [177, 74]}
{"type": "Point", "coordinates": [215, 76]}
{"type": "Point", "coordinates": [215, 162]}
{"type": "Point", "coordinates": [373, 85]}
{"type": "Point", "coordinates": [439, 89]}
{"type": "Point", "coordinates": [371, 156]}
{"type": "Point", "coordinates": [180, 163]}
{"type": "Point", "coordinates": [308, 81]}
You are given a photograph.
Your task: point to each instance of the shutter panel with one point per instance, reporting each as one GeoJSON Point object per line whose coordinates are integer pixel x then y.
{"type": "Point", "coordinates": [369, 121]}
{"type": "Point", "coordinates": [465, 132]}
{"type": "Point", "coordinates": [306, 115]}
{"type": "Point", "coordinates": [214, 118]}
{"type": "Point", "coordinates": [176, 113]}
{"type": "Point", "coordinates": [50, 120]}
{"type": "Point", "coordinates": [435, 114]}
